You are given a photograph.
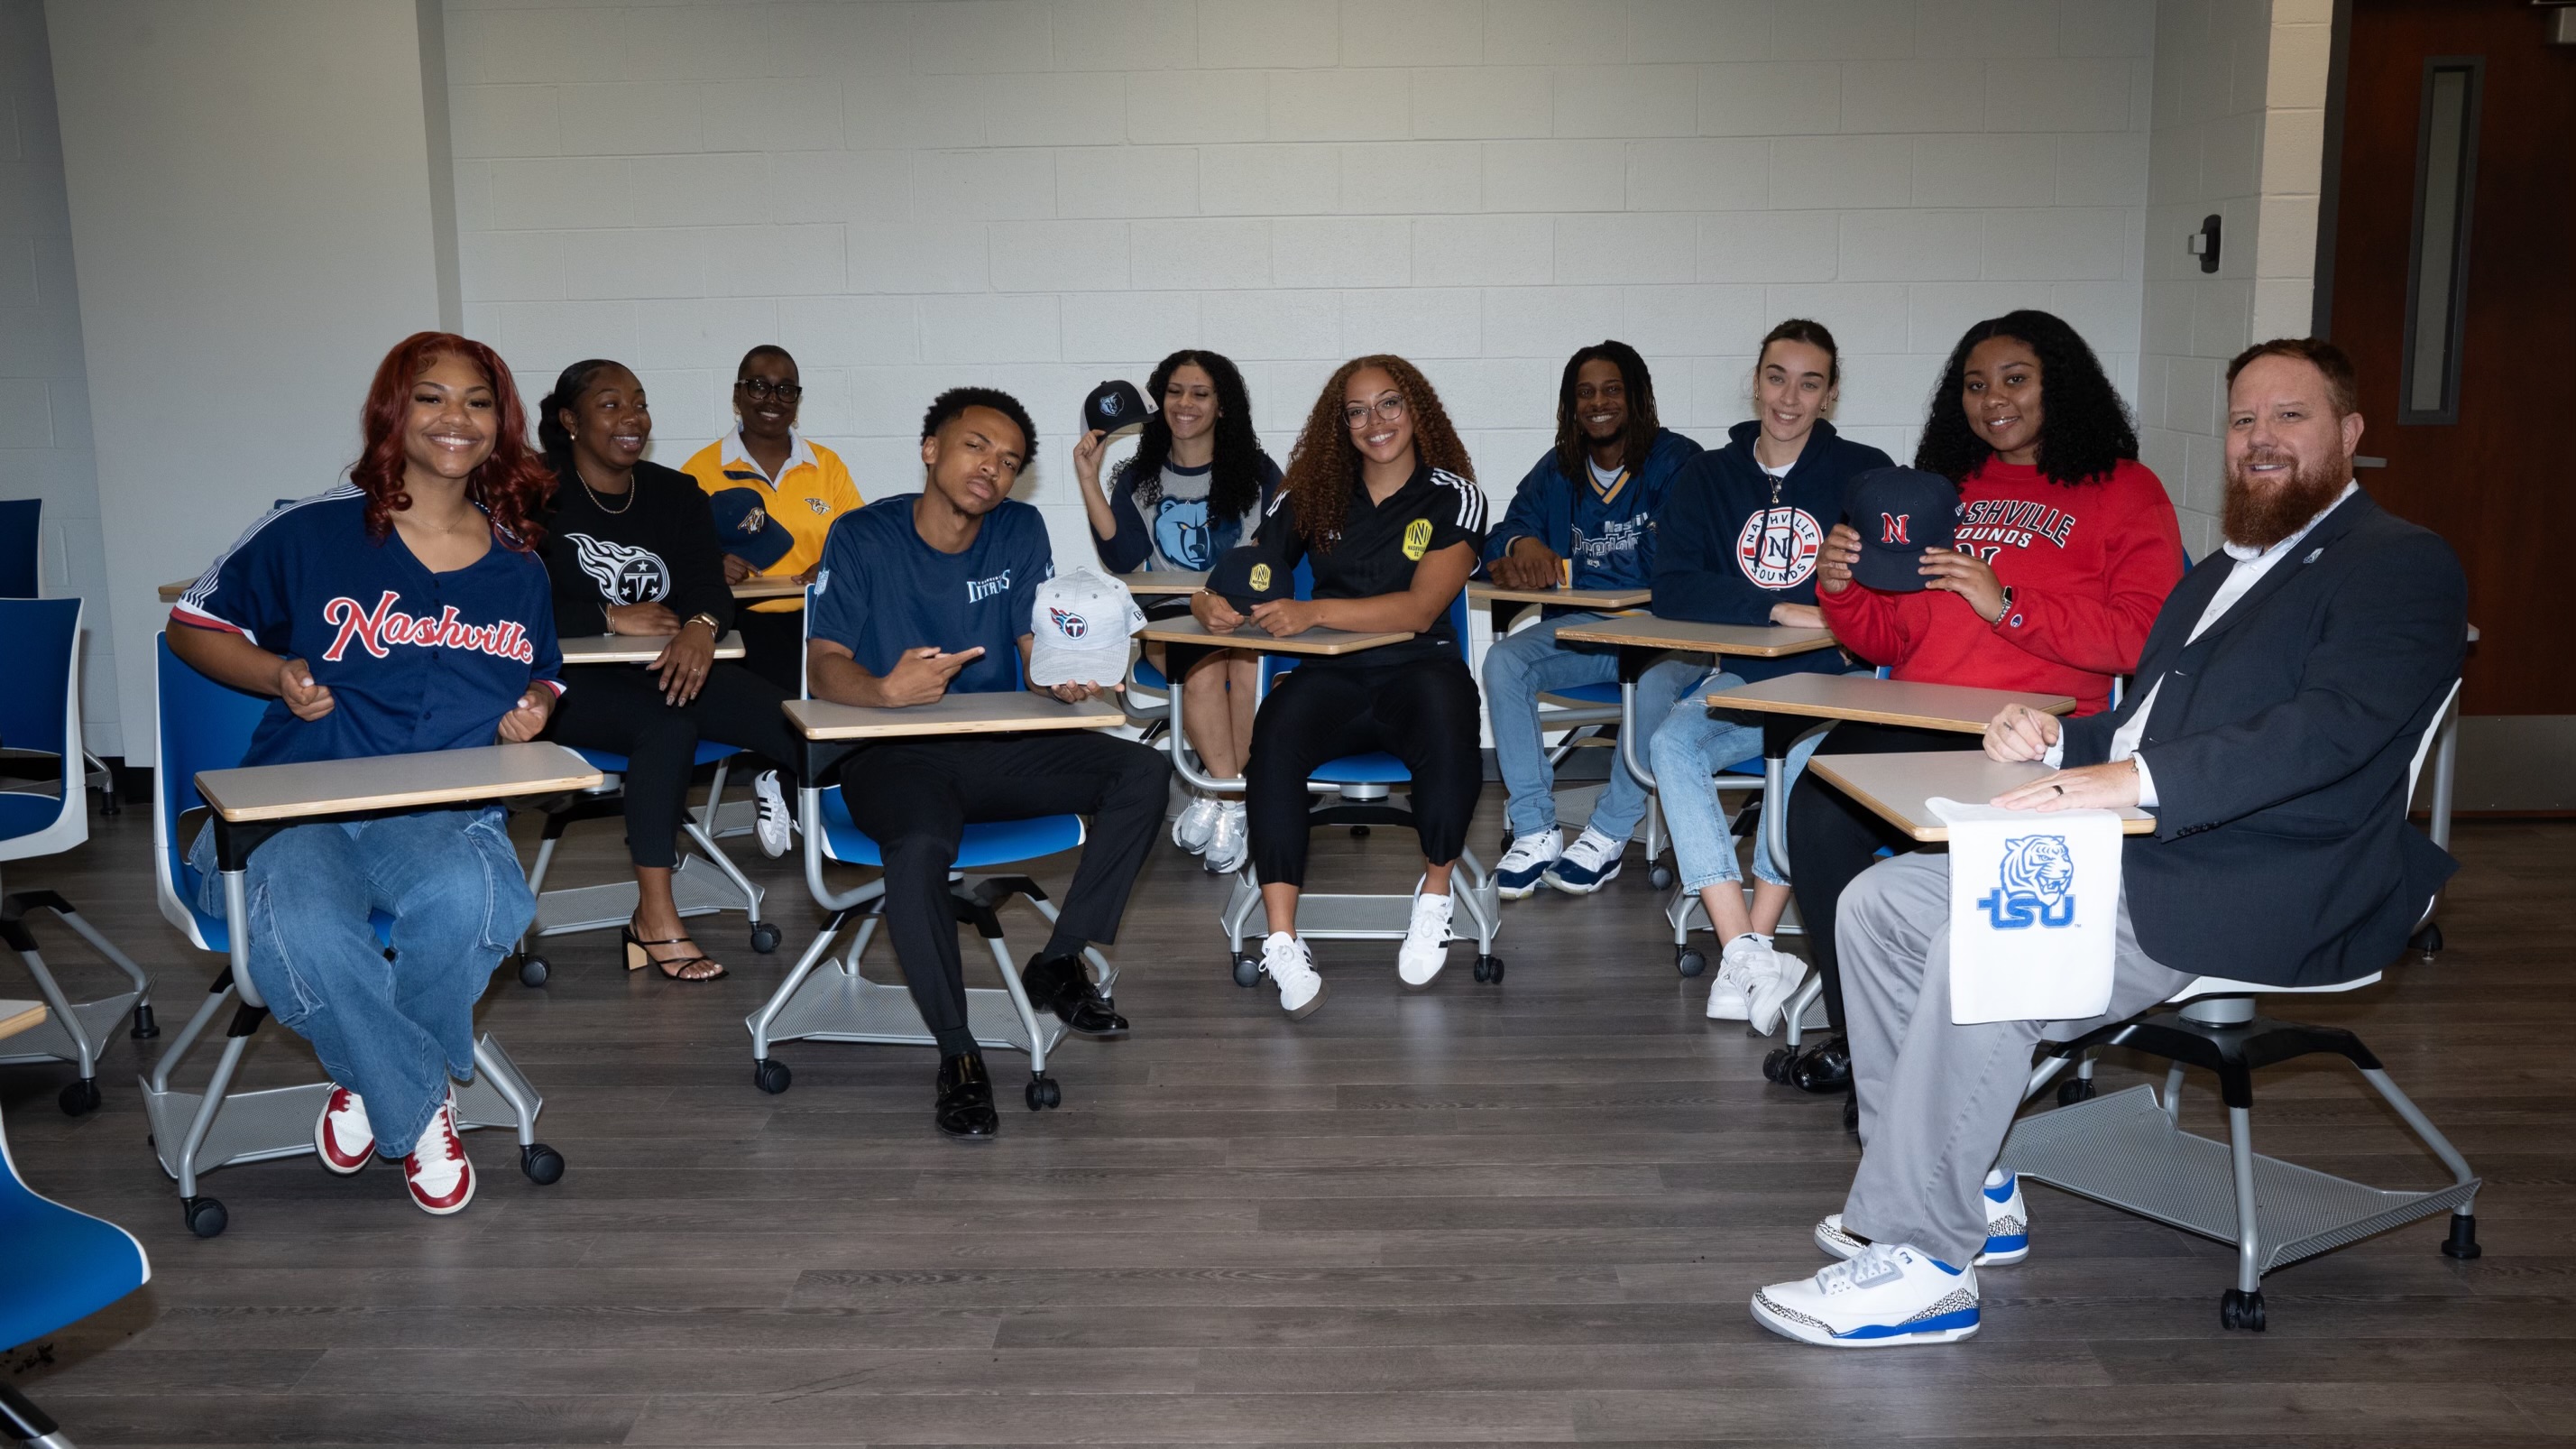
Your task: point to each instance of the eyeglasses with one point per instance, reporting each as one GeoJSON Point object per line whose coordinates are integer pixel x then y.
{"type": "Point", "coordinates": [761, 389]}
{"type": "Point", "coordinates": [1389, 407]}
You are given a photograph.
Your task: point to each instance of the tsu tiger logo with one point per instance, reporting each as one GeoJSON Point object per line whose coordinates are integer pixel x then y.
{"type": "Point", "coordinates": [2038, 885]}
{"type": "Point", "coordinates": [1071, 625]}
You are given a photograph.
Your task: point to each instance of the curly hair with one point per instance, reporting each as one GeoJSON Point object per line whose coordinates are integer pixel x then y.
{"type": "Point", "coordinates": [510, 485]}
{"type": "Point", "coordinates": [1325, 463]}
{"type": "Point", "coordinates": [1637, 438]}
{"type": "Point", "coordinates": [1234, 486]}
{"type": "Point", "coordinates": [2084, 428]}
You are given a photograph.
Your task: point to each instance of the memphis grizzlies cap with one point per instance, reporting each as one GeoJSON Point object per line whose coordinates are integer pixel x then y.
{"type": "Point", "coordinates": [745, 529]}
{"type": "Point", "coordinates": [1246, 575]}
{"type": "Point", "coordinates": [1115, 407]}
{"type": "Point", "coordinates": [1082, 622]}
{"type": "Point", "coordinates": [1899, 512]}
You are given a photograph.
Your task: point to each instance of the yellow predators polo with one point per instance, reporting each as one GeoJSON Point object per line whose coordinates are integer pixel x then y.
{"type": "Point", "coordinates": [810, 491]}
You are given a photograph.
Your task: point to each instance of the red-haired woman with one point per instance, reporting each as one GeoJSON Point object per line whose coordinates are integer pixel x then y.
{"type": "Point", "coordinates": [1381, 499]}
{"type": "Point", "coordinates": [401, 611]}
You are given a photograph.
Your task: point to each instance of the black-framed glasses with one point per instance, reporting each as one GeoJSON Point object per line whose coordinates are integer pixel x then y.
{"type": "Point", "coordinates": [761, 389]}
{"type": "Point", "coordinates": [1389, 407]}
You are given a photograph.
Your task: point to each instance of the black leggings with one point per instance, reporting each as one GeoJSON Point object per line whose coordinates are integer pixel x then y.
{"type": "Point", "coordinates": [773, 646]}
{"type": "Point", "coordinates": [619, 708]}
{"type": "Point", "coordinates": [915, 798]}
{"type": "Point", "coordinates": [1424, 714]}
{"type": "Point", "coordinates": [1833, 838]}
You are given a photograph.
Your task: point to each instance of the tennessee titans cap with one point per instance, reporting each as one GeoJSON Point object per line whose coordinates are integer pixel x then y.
{"type": "Point", "coordinates": [1899, 512]}
{"type": "Point", "coordinates": [1246, 575]}
{"type": "Point", "coordinates": [1115, 407]}
{"type": "Point", "coordinates": [745, 529]}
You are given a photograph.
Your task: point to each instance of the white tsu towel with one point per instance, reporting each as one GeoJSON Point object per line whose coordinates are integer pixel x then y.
{"type": "Point", "coordinates": [2034, 911]}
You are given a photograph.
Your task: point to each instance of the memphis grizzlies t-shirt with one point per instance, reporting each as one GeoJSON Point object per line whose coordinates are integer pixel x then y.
{"type": "Point", "coordinates": [414, 660]}
{"type": "Point", "coordinates": [882, 590]}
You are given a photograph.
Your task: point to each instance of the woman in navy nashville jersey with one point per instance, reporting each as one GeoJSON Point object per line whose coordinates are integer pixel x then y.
{"type": "Point", "coordinates": [399, 612]}
{"type": "Point", "coordinates": [1382, 501]}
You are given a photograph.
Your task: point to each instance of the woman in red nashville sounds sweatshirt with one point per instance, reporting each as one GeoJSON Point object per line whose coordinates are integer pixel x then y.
{"type": "Point", "coordinates": [2067, 547]}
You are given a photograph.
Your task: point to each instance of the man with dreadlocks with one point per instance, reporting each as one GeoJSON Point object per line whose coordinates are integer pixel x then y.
{"type": "Point", "coordinates": [1585, 515]}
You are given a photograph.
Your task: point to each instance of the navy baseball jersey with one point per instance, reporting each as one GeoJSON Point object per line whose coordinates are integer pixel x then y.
{"type": "Point", "coordinates": [882, 590]}
{"type": "Point", "coordinates": [414, 660]}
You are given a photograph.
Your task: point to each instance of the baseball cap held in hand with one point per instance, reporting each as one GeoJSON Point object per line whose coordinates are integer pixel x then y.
{"type": "Point", "coordinates": [745, 529]}
{"type": "Point", "coordinates": [1246, 575]}
{"type": "Point", "coordinates": [1899, 512]}
{"type": "Point", "coordinates": [1115, 407]}
{"type": "Point", "coordinates": [1082, 621]}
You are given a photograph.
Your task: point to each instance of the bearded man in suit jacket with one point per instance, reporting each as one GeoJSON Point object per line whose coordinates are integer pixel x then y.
{"type": "Point", "coordinates": [2271, 728]}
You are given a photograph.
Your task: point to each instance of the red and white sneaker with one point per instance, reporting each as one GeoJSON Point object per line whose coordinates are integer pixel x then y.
{"type": "Point", "coordinates": [437, 1172]}
{"type": "Point", "coordinates": [341, 1134]}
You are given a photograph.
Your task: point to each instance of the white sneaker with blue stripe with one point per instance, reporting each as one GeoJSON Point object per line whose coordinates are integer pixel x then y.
{"type": "Point", "coordinates": [2007, 1226]}
{"type": "Point", "coordinates": [1889, 1296]}
{"type": "Point", "coordinates": [1590, 863]}
{"type": "Point", "coordinates": [1516, 878]}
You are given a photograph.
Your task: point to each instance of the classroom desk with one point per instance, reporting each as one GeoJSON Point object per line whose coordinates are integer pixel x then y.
{"type": "Point", "coordinates": [170, 592]}
{"type": "Point", "coordinates": [1189, 633]}
{"type": "Point", "coordinates": [1898, 788]}
{"type": "Point", "coordinates": [1164, 583]}
{"type": "Point", "coordinates": [193, 1133]}
{"type": "Point", "coordinates": [1506, 604]}
{"type": "Point", "coordinates": [844, 1005]}
{"type": "Point", "coordinates": [633, 648]}
{"type": "Point", "coordinates": [786, 586]}
{"type": "Point", "coordinates": [18, 1016]}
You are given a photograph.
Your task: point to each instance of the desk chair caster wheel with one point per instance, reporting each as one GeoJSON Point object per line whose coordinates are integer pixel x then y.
{"type": "Point", "coordinates": [770, 1075]}
{"type": "Point", "coordinates": [765, 938]}
{"type": "Point", "coordinates": [543, 1165]}
{"type": "Point", "coordinates": [1489, 969]}
{"type": "Point", "coordinates": [80, 1098]}
{"type": "Point", "coordinates": [1247, 972]}
{"type": "Point", "coordinates": [533, 970]}
{"type": "Point", "coordinates": [2240, 1309]}
{"type": "Point", "coordinates": [205, 1216]}
{"type": "Point", "coordinates": [2079, 1090]}
{"type": "Point", "coordinates": [145, 1028]}
{"type": "Point", "coordinates": [2428, 941]}
{"type": "Point", "coordinates": [1044, 1093]}
{"type": "Point", "coordinates": [1688, 961]}
{"type": "Point", "coordinates": [1779, 1064]}
{"type": "Point", "coordinates": [1660, 876]}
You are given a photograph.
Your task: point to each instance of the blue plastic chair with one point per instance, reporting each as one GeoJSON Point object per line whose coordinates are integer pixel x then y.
{"type": "Point", "coordinates": [844, 1005]}
{"type": "Point", "coordinates": [58, 1265]}
{"type": "Point", "coordinates": [40, 712]}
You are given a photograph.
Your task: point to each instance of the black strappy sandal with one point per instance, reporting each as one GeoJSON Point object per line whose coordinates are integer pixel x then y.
{"type": "Point", "coordinates": [637, 957]}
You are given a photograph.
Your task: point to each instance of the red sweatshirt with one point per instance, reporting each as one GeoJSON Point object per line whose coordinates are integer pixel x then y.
{"type": "Point", "coordinates": [2089, 565]}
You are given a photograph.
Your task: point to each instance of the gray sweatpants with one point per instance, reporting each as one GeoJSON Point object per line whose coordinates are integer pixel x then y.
{"type": "Point", "coordinates": [1936, 1099]}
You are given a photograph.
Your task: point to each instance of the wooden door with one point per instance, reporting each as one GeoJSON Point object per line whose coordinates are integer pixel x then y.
{"type": "Point", "coordinates": [2458, 306]}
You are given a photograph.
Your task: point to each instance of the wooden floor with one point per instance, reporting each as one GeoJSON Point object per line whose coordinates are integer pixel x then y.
{"type": "Point", "coordinates": [1529, 1213]}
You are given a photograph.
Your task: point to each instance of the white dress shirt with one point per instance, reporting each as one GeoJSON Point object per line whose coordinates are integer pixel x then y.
{"type": "Point", "coordinates": [2250, 567]}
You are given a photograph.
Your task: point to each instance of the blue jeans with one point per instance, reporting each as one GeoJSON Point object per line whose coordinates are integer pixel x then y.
{"type": "Point", "coordinates": [1521, 667]}
{"type": "Point", "coordinates": [1688, 749]}
{"type": "Point", "coordinates": [394, 1032]}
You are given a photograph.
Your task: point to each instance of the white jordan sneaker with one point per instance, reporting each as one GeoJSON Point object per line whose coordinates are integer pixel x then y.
{"type": "Point", "coordinates": [2007, 1226]}
{"type": "Point", "coordinates": [1517, 877]}
{"type": "Point", "coordinates": [1890, 1295]}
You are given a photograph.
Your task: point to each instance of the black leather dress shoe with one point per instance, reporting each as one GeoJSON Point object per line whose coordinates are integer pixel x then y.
{"type": "Point", "coordinates": [1823, 1069]}
{"type": "Point", "coordinates": [1059, 984]}
{"type": "Point", "coordinates": [965, 1109]}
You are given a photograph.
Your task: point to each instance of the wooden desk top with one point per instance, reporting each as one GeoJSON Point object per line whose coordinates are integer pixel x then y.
{"type": "Point", "coordinates": [18, 1016]}
{"type": "Point", "coordinates": [1313, 641]}
{"type": "Point", "coordinates": [1898, 787]}
{"type": "Point", "coordinates": [1164, 581]}
{"type": "Point", "coordinates": [786, 586]}
{"type": "Point", "coordinates": [1954, 707]}
{"type": "Point", "coordinates": [993, 712]}
{"type": "Point", "coordinates": [170, 592]}
{"type": "Point", "coordinates": [394, 782]}
{"type": "Point", "coordinates": [633, 648]}
{"type": "Point", "coordinates": [1762, 641]}
{"type": "Point", "coordinates": [1486, 593]}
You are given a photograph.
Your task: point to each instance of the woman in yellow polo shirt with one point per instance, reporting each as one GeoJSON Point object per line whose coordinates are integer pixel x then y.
{"type": "Point", "coordinates": [775, 494]}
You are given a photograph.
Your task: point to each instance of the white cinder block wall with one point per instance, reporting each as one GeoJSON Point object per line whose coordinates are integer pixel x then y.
{"type": "Point", "coordinates": [1040, 195]}
{"type": "Point", "coordinates": [45, 449]}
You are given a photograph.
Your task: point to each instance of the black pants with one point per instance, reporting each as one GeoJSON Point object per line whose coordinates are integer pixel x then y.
{"type": "Point", "coordinates": [619, 707]}
{"type": "Point", "coordinates": [1833, 838]}
{"type": "Point", "coordinates": [915, 797]}
{"type": "Point", "coordinates": [1424, 714]}
{"type": "Point", "coordinates": [773, 646]}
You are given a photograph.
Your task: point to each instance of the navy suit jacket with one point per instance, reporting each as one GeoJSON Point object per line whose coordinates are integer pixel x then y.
{"type": "Point", "coordinates": [2280, 743]}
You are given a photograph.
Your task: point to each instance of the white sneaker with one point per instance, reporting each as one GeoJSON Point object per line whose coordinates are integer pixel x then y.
{"type": "Point", "coordinates": [776, 824]}
{"type": "Point", "coordinates": [1293, 971]}
{"type": "Point", "coordinates": [1229, 840]}
{"type": "Point", "coordinates": [1190, 828]}
{"type": "Point", "coordinates": [439, 1176]}
{"type": "Point", "coordinates": [1887, 1296]}
{"type": "Point", "coordinates": [1528, 859]}
{"type": "Point", "coordinates": [1771, 994]}
{"type": "Point", "coordinates": [341, 1135]}
{"type": "Point", "coordinates": [1590, 863]}
{"type": "Point", "coordinates": [1740, 971]}
{"type": "Point", "coordinates": [1426, 941]}
{"type": "Point", "coordinates": [2007, 1226]}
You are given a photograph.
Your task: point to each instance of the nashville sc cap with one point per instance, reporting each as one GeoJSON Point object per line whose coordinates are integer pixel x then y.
{"type": "Point", "coordinates": [1899, 512]}
{"type": "Point", "coordinates": [1246, 575]}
